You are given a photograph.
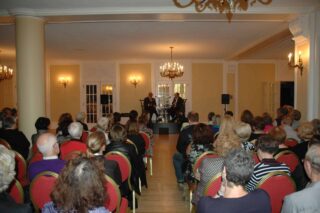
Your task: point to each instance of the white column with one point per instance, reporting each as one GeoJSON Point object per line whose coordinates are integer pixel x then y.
{"type": "Point", "coordinates": [30, 71]}
{"type": "Point", "coordinates": [306, 32]}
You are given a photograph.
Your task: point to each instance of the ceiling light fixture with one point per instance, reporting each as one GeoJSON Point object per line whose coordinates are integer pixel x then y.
{"type": "Point", "coordinates": [171, 69]}
{"type": "Point", "coordinates": [6, 72]}
{"type": "Point", "coordinates": [223, 6]}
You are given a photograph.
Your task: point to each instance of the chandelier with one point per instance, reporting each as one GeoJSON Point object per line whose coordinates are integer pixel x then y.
{"type": "Point", "coordinates": [5, 72]}
{"type": "Point", "coordinates": [171, 69]}
{"type": "Point", "coordinates": [223, 6]}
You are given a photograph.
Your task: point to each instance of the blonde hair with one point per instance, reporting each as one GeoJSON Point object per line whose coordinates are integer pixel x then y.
{"type": "Point", "coordinates": [225, 143]}
{"type": "Point", "coordinates": [227, 125]}
{"type": "Point", "coordinates": [243, 131]}
{"type": "Point", "coordinates": [95, 141]}
{"type": "Point", "coordinates": [306, 131]}
{"type": "Point", "coordinates": [7, 165]}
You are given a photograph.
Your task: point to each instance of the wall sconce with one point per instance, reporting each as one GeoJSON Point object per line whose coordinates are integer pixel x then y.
{"type": "Point", "coordinates": [64, 81]}
{"type": "Point", "coordinates": [109, 89]}
{"type": "Point", "coordinates": [134, 80]}
{"type": "Point", "coordinates": [299, 65]}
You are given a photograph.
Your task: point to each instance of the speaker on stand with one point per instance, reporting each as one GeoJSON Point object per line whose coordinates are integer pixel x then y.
{"type": "Point", "coordinates": [225, 99]}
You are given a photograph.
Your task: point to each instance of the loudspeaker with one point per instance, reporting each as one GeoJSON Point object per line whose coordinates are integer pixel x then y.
{"type": "Point", "coordinates": [225, 99]}
{"type": "Point", "coordinates": [104, 99]}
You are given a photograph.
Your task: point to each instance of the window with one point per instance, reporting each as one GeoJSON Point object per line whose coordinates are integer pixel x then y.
{"type": "Point", "coordinates": [181, 89]}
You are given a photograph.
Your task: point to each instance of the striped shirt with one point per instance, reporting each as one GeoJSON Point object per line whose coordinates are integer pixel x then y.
{"type": "Point", "coordinates": [263, 168]}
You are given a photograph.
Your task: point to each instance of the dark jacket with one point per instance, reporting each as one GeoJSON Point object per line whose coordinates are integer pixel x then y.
{"type": "Point", "coordinates": [8, 205]}
{"type": "Point", "coordinates": [184, 139]}
{"type": "Point", "coordinates": [17, 140]}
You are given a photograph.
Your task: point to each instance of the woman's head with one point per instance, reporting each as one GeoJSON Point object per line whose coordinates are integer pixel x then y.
{"type": "Point", "coordinates": [96, 142]}
{"type": "Point", "coordinates": [42, 123]}
{"type": "Point", "coordinates": [103, 123]}
{"type": "Point", "coordinates": [306, 131]}
{"type": "Point", "coordinates": [133, 128]}
{"type": "Point", "coordinates": [278, 134]}
{"type": "Point", "coordinates": [247, 117]}
{"type": "Point", "coordinates": [227, 125]}
{"type": "Point", "coordinates": [225, 143]}
{"type": "Point", "coordinates": [64, 120]}
{"type": "Point", "coordinates": [80, 186]}
{"type": "Point", "coordinates": [243, 131]}
{"type": "Point", "coordinates": [202, 134]}
{"type": "Point", "coordinates": [7, 165]}
{"type": "Point", "coordinates": [118, 133]}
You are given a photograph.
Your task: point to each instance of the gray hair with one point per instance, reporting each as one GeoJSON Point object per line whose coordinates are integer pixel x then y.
{"type": "Point", "coordinates": [243, 130]}
{"type": "Point", "coordinates": [7, 165]}
{"type": "Point", "coordinates": [313, 156]}
{"type": "Point", "coordinates": [48, 144]}
{"type": "Point", "coordinates": [239, 167]}
{"type": "Point", "coordinates": [75, 130]}
{"type": "Point", "coordinates": [80, 116]}
{"type": "Point", "coordinates": [103, 123]}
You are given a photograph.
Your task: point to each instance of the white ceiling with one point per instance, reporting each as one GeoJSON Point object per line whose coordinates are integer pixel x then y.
{"type": "Point", "coordinates": [144, 29]}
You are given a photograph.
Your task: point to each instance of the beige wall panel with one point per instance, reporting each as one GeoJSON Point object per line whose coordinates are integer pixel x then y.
{"type": "Point", "coordinates": [207, 80]}
{"type": "Point", "coordinates": [7, 94]}
{"type": "Point", "coordinates": [129, 95]}
{"type": "Point", "coordinates": [231, 90]}
{"type": "Point", "coordinates": [64, 99]}
{"type": "Point", "coordinates": [251, 81]}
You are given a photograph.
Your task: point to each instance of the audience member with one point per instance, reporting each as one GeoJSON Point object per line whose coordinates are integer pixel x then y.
{"type": "Point", "coordinates": [42, 125]}
{"type": "Point", "coordinates": [79, 188]}
{"type": "Point", "coordinates": [65, 120]}
{"type": "Point", "coordinates": [307, 200]}
{"type": "Point", "coordinates": [212, 122]}
{"type": "Point", "coordinates": [133, 118]}
{"type": "Point", "coordinates": [278, 134]}
{"type": "Point", "coordinates": [75, 131]}
{"type": "Point", "coordinates": [230, 113]}
{"type": "Point", "coordinates": [247, 117]}
{"type": "Point", "coordinates": [316, 126]}
{"type": "Point", "coordinates": [17, 140]}
{"type": "Point", "coordinates": [143, 122]}
{"type": "Point", "coordinates": [238, 167]}
{"type": "Point", "coordinates": [7, 174]}
{"type": "Point", "coordinates": [281, 112]}
{"type": "Point", "coordinates": [81, 117]}
{"type": "Point", "coordinates": [116, 118]}
{"type": "Point", "coordinates": [296, 116]}
{"type": "Point", "coordinates": [184, 139]}
{"type": "Point", "coordinates": [267, 120]}
{"type": "Point", "coordinates": [49, 148]}
{"type": "Point", "coordinates": [290, 132]}
{"type": "Point", "coordinates": [305, 133]}
{"type": "Point", "coordinates": [258, 127]}
{"type": "Point", "coordinates": [243, 131]}
{"type": "Point", "coordinates": [266, 147]}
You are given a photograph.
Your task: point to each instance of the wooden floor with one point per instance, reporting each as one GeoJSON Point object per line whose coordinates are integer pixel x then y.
{"type": "Point", "coordinates": [162, 194]}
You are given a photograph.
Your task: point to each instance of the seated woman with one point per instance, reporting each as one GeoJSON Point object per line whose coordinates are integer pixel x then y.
{"type": "Point", "coordinates": [65, 120]}
{"type": "Point", "coordinates": [42, 125]}
{"type": "Point", "coordinates": [243, 131]}
{"type": "Point", "coordinates": [79, 188]}
{"type": "Point", "coordinates": [238, 167]}
{"type": "Point", "coordinates": [143, 122]}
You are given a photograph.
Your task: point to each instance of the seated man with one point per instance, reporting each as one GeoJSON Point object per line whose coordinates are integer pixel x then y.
{"type": "Point", "coordinates": [49, 148]}
{"type": "Point", "coordinates": [307, 200]}
{"type": "Point", "coordinates": [232, 196]}
{"type": "Point", "coordinates": [266, 147]}
{"type": "Point", "coordinates": [75, 143]}
{"type": "Point", "coordinates": [16, 139]}
{"type": "Point", "coordinates": [176, 107]}
{"type": "Point", "coordinates": [149, 105]}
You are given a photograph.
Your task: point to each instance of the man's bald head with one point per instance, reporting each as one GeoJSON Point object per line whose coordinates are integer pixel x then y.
{"type": "Point", "coordinates": [47, 144]}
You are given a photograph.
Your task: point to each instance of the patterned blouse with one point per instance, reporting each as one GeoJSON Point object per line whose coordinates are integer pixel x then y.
{"type": "Point", "coordinates": [50, 208]}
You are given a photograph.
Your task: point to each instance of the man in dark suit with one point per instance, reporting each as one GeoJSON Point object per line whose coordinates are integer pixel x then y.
{"type": "Point", "coordinates": [176, 107]}
{"type": "Point", "coordinates": [149, 104]}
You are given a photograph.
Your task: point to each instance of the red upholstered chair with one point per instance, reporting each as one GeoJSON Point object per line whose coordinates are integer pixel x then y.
{"type": "Point", "coordinates": [125, 169]}
{"type": "Point", "coordinates": [148, 157]}
{"type": "Point", "coordinates": [21, 169]}
{"type": "Point", "coordinates": [16, 192]}
{"type": "Point", "coordinates": [213, 185]}
{"type": "Point", "coordinates": [84, 136]}
{"type": "Point", "coordinates": [72, 155]}
{"type": "Point", "coordinates": [5, 143]}
{"type": "Point", "coordinates": [36, 157]}
{"type": "Point", "coordinates": [290, 142]}
{"type": "Point", "coordinates": [114, 196]}
{"type": "Point", "coordinates": [289, 158]}
{"type": "Point", "coordinates": [70, 146]}
{"type": "Point", "coordinates": [208, 154]}
{"type": "Point", "coordinates": [277, 185]}
{"type": "Point", "coordinates": [41, 188]}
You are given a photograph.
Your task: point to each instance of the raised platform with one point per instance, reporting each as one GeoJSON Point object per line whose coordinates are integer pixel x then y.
{"type": "Point", "coordinates": [165, 128]}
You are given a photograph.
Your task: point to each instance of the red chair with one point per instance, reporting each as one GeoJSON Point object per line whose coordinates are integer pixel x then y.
{"type": "Point", "coordinates": [208, 154]}
{"type": "Point", "coordinates": [36, 157]}
{"type": "Point", "coordinates": [21, 169]}
{"type": "Point", "coordinates": [125, 169]}
{"type": "Point", "coordinates": [289, 158]}
{"type": "Point", "coordinates": [73, 155]}
{"type": "Point", "coordinates": [16, 192]}
{"type": "Point", "coordinates": [277, 185]}
{"type": "Point", "coordinates": [290, 142]}
{"type": "Point", "coordinates": [147, 156]}
{"type": "Point", "coordinates": [84, 136]}
{"type": "Point", "coordinates": [114, 196]}
{"type": "Point", "coordinates": [5, 143]}
{"type": "Point", "coordinates": [41, 188]}
{"type": "Point", "coordinates": [213, 185]}
{"type": "Point", "coordinates": [70, 146]}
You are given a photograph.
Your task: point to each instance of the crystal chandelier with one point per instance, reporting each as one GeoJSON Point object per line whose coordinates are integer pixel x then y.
{"type": "Point", "coordinates": [5, 72]}
{"type": "Point", "coordinates": [223, 6]}
{"type": "Point", "coordinates": [171, 69]}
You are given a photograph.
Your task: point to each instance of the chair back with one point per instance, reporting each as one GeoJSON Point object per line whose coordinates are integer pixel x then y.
{"type": "Point", "coordinates": [84, 136]}
{"type": "Point", "coordinates": [21, 169]}
{"type": "Point", "coordinates": [72, 155]}
{"type": "Point", "coordinates": [290, 142]}
{"type": "Point", "coordinates": [15, 190]}
{"type": "Point", "coordinates": [123, 162]}
{"type": "Point", "coordinates": [36, 157]}
{"type": "Point", "coordinates": [213, 185]}
{"type": "Point", "coordinates": [70, 146]}
{"type": "Point", "coordinates": [114, 197]}
{"type": "Point", "coordinates": [289, 158]}
{"type": "Point", "coordinates": [207, 154]}
{"type": "Point", "coordinates": [277, 185]}
{"type": "Point", "coordinates": [135, 146]}
{"type": "Point", "coordinates": [5, 143]}
{"type": "Point", "coordinates": [146, 139]}
{"type": "Point", "coordinates": [41, 188]}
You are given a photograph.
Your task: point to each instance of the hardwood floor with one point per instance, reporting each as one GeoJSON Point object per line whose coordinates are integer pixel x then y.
{"type": "Point", "coordinates": [162, 194]}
